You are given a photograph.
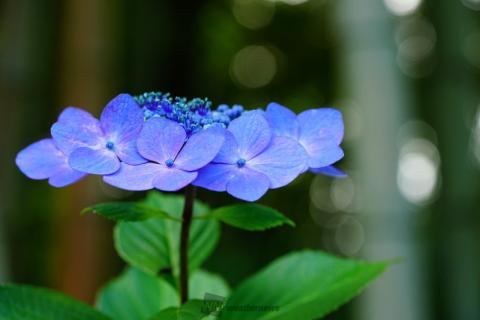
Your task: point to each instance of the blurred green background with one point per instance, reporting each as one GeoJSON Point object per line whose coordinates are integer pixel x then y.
{"type": "Point", "coordinates": [405, 74]}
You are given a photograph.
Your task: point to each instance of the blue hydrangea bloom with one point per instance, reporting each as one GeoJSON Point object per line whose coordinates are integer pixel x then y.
{"type": "Point", "coordinates": [319, 131]}
{"type": "Point", "coordinates": [174, 158]}
{"type": "Point", "coordinates": [43, 160]}
{"type": "Point", "coordinates": [163, 142]}
{"type": "Point", "coordinates": [252, 160]}
{"type": "Point", "coordinates": [97, 146]}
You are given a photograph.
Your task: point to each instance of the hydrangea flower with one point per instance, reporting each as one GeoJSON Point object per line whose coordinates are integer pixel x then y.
{"type": "Point", "coordinates": [43, 160]}
{"type": "Point", "coordinates": [175, 158]}
{"type": "Point", "coordinates": [319, 131]}
{"type": "Point", "coordinates": [97, 147]}
{"type": "Point", "coordinates": [252, 160]}
{"type": "Point", "coordinates": [158, 141]}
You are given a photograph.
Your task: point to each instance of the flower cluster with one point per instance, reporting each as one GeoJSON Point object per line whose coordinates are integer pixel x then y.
{"type": "Point", "coordinates": [158, 141]}
{"type": "Point", "coordinates": [193, 115]}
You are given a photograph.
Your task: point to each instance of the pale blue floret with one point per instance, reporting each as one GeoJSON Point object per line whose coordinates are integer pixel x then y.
{"type": "Point", "coordinates": [173, 159]}
{"type": "Point", "coordinates": [43, 160]}
{"type": "Point", "coordinates": [252, 160]}
{"type": "Point", "coordinates": [319, 132]}
{"type": "Point", "coordinates": [99, 146]}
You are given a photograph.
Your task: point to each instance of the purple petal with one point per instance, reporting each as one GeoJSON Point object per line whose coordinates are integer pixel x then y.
{"type": "Point", "coordinates": [65, 176]}
{"type": "Point", "coordinates": [248, 184]}
{"type": "Point", "coordinates": [215, 176]}
{"type": "Point", "coordinates": [76, 128]}
{"type": "Point", "coordinates": [99, 161]}
{"type": "Point", "coordinates": [40, 160]}
{"type": "Point", "coordinates": [201, 148]}
{"type": "Point", "coordinates": [74, 115]}
{"type": "Point", "coordinates": [281, 162]}
{"type": "Point", "coordinates": [122, 118]}
{"type": "Point", "coordinates": [172, 179]}
{"type": "Point", "coordinates": [282, 121]}
{"type": "Point", "coordinates": [251, 132]}
{"type": "Point", "coordinates": [322, 155]}
{"type": "Point", "coordinates": [134, 178]}
{"type": "Point", "coordinates": [318, 126]}
{"type": "Point", "coordinates": [122, 121]}
{"type": "Point", "coordinates": [161, 140]}
{"type": "Point", "coordinates": [128, 153]}
{"type": "Point", "coordinates": [330, 171]}
{"type": "Point", "coordinates": [228, 153]}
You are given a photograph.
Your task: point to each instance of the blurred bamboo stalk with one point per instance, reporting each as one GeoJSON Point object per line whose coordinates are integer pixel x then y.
{"type": "Point", "coordinates": [369, 76]}
{"type": "Point", "coordinates": [25, 91]}
{"type": "Point", "coordinates": [6, 98]}
{"type": "Point", "coordinates": [83, 82]}
{"type": "Point", "coordinates": [453, 92]}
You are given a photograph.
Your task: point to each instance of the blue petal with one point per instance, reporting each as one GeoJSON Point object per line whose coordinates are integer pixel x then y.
{"type": "Point", "coordinates": [248, 184]}
{"type": "Point", "coordinates": [76, 128]}
{"type": "Point", "coordinates": [40, 160]}
{"type": "Point", "coordinates": [322, 155]}
{"type": "Point", "coordinates": [172, 179]}
{"type": "Point", "coordinates": [122, 120]}
{"type": "Point", "coordinates": [134, 178]}
{"type": "Point", "coordinates": [281, 162]}
{"type": "Point", "coordinates": [128, 153]}
{"type": "Point", "coordinates": [229, 151]}
{"type": "Point", "coordinates": [320, 125]}
{"type": "Point", "coordinates": [99, 161]}
{"type": "Point", "coordinates": [65, 176]}
{"type": "Point", "coordinates": [330, 171]}
{"type": "Point", "coordinates": [282, 121]}
{"type": "Point", "coordinates": [161, 140]}
{"type": "Point", "coordinates": [321, 133]}
{"type": "Point", "coordinates": [201, 148]}
{"type": "Point", "coordinates": [215, 176]}
{"type": "Point", "coordinates": [252, 133]}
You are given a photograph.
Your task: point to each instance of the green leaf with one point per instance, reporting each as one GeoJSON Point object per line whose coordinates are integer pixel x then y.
{"type": "Point", "coordinates": [203, 282]}
{"type": "Point", "coordinates": [153, 245]}
{"type": "Point", "coordinates": [251, 216]}
{"type": "Point", "coordinates": [192, 310]}
{"type": "Point", "coordinates": [30, 303]}
{"type": "Point", "coordinates": [136, 295]}
{"type": "Point", "coordinates": [127, 211]}
{"type": "Point", "coordinates": [303, 285]}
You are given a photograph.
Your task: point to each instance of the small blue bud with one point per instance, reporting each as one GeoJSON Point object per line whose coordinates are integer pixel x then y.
{"type": "Point", "coordinates": [166, 106]}
{"type": "Point", "coordinates": [110, 145]}
{"type": "Point", "coordinates": [169, 163]}
{"type": "Point", "coordinates": [241, 162]}
{"type": "Point", "coordinates": [222, 108]}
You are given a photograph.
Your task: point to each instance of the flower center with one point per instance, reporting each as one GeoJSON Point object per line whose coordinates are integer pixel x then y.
{"type": "Point", "coordinates": [193, 115]}
{"type": "Point", "coordinates": [241, 163]}
{"type": "Point", "coordinates": [109, 145]}
{"type": "Point", "coordinates": [169, 163]}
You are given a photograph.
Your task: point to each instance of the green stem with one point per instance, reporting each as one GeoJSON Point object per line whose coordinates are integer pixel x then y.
{"type": "Point", "coordinates": [184, 237]}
